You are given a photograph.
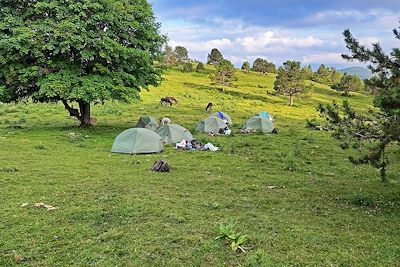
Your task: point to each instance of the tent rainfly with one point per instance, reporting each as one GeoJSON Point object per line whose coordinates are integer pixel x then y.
{"type": "Point", "coordinates": [265, 115]}
{"type": "Point", "coordinates": [147, 122]}
{"type": "Point", "coordinates": [173, 133]}
{"type": "Point", "coordinates": [211, 124]}
{"type": "Point", "coordinates": [222, 116]}
{"type": "Point", "coordinates": [137, 141]}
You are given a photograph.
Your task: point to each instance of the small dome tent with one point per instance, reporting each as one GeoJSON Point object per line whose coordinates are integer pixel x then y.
{"type": "Point", "coordinates": [211, 124]}
{"type": "Point", "coordinates": [173, 133]}
{"type": "Point", "coordinates": [259, 123]}
{"type": "Point", "coordinates": [147, 122]}
{"type": "Point", "coordinates": [137, 141]}
{"type": "Point", "coordinates": [222, 116]}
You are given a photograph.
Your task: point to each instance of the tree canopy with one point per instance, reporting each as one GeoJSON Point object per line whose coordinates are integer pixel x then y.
{"type": "Point", "coordinates": [200, 67]}
{"type": "Point", "coordinates": [349, 83]}
{"type": "Point", "coordinates": [187, 67]}
{"type": "Point", "coordinates": [169, 58]}
{"type": "Point", "coordinates": [290, 80]}
{"type": "Point", "coordinates": [326, 75]}
{"type": "Point", "coordinates": [215, 57]}
{"type": "Point", "coordinates": [224, 75]}
{"type": "Point", "coordinates": [83, 51]}
{"type": "Point", "coordinates": [246, 66]}
{"type": "Point", "coordinates": [182, 54]}
{"type": "Point", "coordinates": [308, 73]}
{"type": "Point", "coordinates": [263, 66]}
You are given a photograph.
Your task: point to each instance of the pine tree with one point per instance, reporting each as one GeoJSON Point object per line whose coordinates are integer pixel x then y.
{"type": "Point", "coordinates": [215, 57]}
{"type": "Point", "coordinates": [224, 75]}
{"type": "Point", "coordinates": [263, 66]}
{"type": "Point", "coordinates": [349, 83]}
{"type": "Point", "coordinates": [169, 57]}
{"type": "Point", "coordinates": [374, 132]}
{"type": "Point", "coordinates": [200, 68]}
{"type": "Point", "coordinates": [290, 80]}
{"type": "Point", "coordinates": [187, 67]}
{"type": "Point", "coordinates": [307, 73]}
{"type": "Point", "coordinates": [328, 76]}
{"type": "Point", "coordinates": [182, 54]}
{"type": "Point", "coordinates": [246, 66]}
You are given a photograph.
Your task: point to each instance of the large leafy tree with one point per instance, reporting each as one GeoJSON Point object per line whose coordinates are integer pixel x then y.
{"type": "Point", "coordinates": [215, 57]}
{"type": "Point", "coordinates": [263, 66]}
{"type": "Point", "coordinates": [224, 75]}
{"type": "Point", "coordinates": [290, 80]}
{"type": "Point", "coordinates": [374, 132]}
{"type": "Point", "coordinates": [77, 51]}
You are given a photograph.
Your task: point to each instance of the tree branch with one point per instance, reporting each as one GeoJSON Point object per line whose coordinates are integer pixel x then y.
{"type": "Point", "coordinates": [73, 112]}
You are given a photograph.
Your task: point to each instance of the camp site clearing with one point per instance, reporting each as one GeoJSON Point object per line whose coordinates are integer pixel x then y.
{"type": "Point", "coordinates": [67, 200]}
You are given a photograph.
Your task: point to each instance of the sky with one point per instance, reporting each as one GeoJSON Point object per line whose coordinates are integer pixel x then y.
{"type": "Point", "coordinates": [309, 31]}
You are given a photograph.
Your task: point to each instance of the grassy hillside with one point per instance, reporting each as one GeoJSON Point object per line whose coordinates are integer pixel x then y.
{"type": "Point", "coordinates": [112, 211]}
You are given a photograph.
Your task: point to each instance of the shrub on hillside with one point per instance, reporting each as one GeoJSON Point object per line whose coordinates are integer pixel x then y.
{"type": "Point", "coordinates": [187, 67]}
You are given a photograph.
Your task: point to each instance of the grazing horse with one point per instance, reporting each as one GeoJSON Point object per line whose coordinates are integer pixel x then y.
{"type": "Point", "coordinates": [168, 100]}
{"type": "Point", "coordinates": [209, 107]}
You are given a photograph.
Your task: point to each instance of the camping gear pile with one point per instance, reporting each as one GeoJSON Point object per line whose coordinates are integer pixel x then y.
{"type": "Point", "coordinates": [147, 137]}
{"type": "Point", "coordinates": [195, 145]}
{"type": "Point", "coordinates": [160, 166]}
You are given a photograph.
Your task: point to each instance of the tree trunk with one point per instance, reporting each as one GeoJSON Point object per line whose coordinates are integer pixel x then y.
{"type": "Point", "coordinates": [84, 109]}
{"type": "Point", "coordinates": [291, 100]}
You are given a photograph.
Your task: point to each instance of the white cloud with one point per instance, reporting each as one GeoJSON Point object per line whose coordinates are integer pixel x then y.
{"type": "Point", "coordinates": [266, 43]}
{"type": "Point", "coordinates": [239, 41]}
{"type": "Point", "coordinates": [368, 40]}
{"type": "Point", "coordinates": [267, 39]}
{"type": "Point", "coordinates": [204, 46]}
{"type": "Point", "coordinates": [326, 58]}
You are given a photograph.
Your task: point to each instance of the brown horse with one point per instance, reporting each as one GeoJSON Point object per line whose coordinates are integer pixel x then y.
{"type": "Point", "coordinates": [168, 100]}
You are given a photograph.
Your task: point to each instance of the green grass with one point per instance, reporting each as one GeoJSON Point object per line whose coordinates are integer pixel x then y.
{"type": "Point", "coordinates": [112, 211]}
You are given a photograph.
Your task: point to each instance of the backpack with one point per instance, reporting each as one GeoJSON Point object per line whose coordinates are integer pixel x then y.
{"type": "Point", "coordinates": [160, 166]}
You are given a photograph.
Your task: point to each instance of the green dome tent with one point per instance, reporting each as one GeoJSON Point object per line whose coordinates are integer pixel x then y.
{"type": "Point", "coordinates": [258, 123]}
{"type": "Point", "coordinates": [147, 122]}
{"type": "Point", "coordinates": [173, 133]}
{"type": "Point", "coordinates": [222, 116]}
{"type": "Point", "coordinates": [211, 124]}
{"type": "Point", "coordinates": [137, 141]}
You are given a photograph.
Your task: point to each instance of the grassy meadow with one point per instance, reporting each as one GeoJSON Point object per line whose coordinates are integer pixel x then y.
{"type": "Point", "coordinates": [112, 211]}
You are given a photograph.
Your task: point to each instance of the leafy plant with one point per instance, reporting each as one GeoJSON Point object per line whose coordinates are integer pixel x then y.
{"type": "Point", "coordinates": [76, 137]}
{"type": "Point", "coordinates": [40, 147]}
{"type": "Point", "coordinates": [237, 240]}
